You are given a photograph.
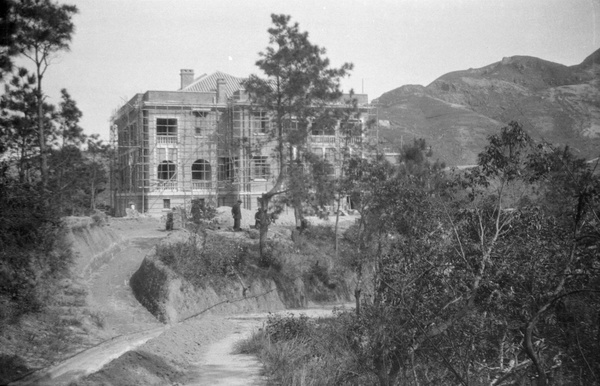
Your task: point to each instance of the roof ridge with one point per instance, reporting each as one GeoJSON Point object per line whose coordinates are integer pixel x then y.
{"type": "Point", "coordinates": [208, 83]}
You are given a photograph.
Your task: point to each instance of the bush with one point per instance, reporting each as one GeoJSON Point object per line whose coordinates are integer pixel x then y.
{"type": "Point", "coordinates": [323, 233]}
{"type": "Point", "coordinates": [279, 328]}
{"type": "Point", "coordinates": [301, 351]}
{"type": "Point", "coordinates": [219, 257]}
{"type": "Point", "coordinates": [34, 253]}
{"type": "Point", "coordinates": [11, 367]}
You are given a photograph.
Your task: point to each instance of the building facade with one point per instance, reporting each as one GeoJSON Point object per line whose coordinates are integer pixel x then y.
{"type": "Point", "coordinates": [204, 142]}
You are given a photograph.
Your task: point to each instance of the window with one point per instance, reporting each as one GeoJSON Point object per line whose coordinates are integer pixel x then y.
{"type": "Point", "coordinates": [330, 155]}
{"type": "Point", "coordinates": [166, 203]}
{"type": "Point", "coordinates": [166, 126]}
{"type": "Point", "coordinates": [260, 168]}
{"type": "Point", "coordinates": [227, 166]}
{"type": "Point", "coordinates": [204, 123]}
{"type": "Point", "coordinates": [351, 128]}
{"type": "Point", "coordinates": [324, 126]}
{"type": "Point", "coordinates": [260, 121]}
{"type": "Point", "coordinates": [201, 170]}
{"type": "Point", "coordinates": [166, 170]}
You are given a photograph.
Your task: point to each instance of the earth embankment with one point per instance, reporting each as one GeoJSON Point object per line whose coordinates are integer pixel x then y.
{"type": "Point", "coordinates": [172, 299]}
{"type": "Point", "coordinates": [91, 242]}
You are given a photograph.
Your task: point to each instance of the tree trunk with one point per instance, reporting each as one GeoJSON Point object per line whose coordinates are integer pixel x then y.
{"type": "Point", "coordinates": [358, 290]}
{"type": "Point", "coordinates": [41, 134]}
{"type": "Point", "coordinates": [264, 224]}
{"type": "Point", "coordinates": [337, 221]}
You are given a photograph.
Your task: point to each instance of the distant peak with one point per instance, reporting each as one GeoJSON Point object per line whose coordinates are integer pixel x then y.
{"type": "Point", "coordinates": [594, 58]}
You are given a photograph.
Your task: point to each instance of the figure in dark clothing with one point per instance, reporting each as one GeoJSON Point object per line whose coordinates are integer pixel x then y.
{"type": "Point", "coordinates": [257, 219]}
{"type": "Point", "coordinates": [170, 221]}
{"type": "Point", "coordinates": [236, 212]}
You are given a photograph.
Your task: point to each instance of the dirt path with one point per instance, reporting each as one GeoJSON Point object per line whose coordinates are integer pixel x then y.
{"type": "Point", "coordinates": [220, 366]}
{"type": "Point", "coordinates": [196, 352]}
{"type": "Point", "coordinates": [127, 324]}
{"type": "Point", "coordinates": [111, 295]}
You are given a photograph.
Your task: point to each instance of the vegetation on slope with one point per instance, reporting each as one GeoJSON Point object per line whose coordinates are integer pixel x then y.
{"type": "Point", "coordinates": [490, 276]}
{"type": "Point", "coordinates": [214, 258]}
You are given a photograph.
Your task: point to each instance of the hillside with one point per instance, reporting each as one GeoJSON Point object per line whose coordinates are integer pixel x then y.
{"type": "Point", "coordinates": [459, 110]}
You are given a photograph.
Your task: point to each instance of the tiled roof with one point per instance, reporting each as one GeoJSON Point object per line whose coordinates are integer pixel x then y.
{"type": "Point", "coordinates": [208, 83]}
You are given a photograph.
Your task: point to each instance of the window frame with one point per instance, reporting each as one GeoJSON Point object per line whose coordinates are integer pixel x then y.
{"type": "Point", "coordinates": [204, 169]}
{"type": "Point", "coordinates": [227, 168]}
{"type": "Point", "coordinates": [168, 128]}
{"type": "Point", "coordinates": [170, 172]}
{"type": "Point", "coordinates": [260, 121]}
{"type": "Point", "coordinates": [261, 168]}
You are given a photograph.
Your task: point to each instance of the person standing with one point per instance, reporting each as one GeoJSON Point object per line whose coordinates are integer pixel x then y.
{"type": "Point", "coordinates": [236, 212]}
{"type": "Point", "coordinates": [170, 221]}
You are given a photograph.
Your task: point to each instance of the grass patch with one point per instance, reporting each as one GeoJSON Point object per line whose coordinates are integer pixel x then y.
{"type": "Point", "coordinates": [213, 260]}
{"type": "Point", "coordinates": [302, 351]}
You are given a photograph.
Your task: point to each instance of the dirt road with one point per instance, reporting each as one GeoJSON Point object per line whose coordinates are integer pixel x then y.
{"type": "Point", "coordinates": [139, 350]}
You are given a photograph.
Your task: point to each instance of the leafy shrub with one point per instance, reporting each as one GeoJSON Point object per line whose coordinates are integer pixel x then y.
{"type": "Point", "coordinates": [34, 253]}
{"type": "Point", "coordinates": [100, 218]}
{"type": "Point", "coordinates": [301, 351]}
{"type": "Point", "coordinates": [11, 366]}
{"type": "Point", "coordinates": [219, 257]}
{"type": "Point", "coordinates": [279, 328]}
{"type": "Point", "coordinates": [320, 233]}
{"type": "Point", "coordinates": [201, 212]}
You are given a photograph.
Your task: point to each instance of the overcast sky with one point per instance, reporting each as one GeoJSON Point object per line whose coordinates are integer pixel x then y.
{"type": "Point", "coordinates": [122, 47]}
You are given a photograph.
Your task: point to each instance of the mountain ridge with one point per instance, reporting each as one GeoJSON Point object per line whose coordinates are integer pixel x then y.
{"type": "Point", "coordinates": [458, 111]}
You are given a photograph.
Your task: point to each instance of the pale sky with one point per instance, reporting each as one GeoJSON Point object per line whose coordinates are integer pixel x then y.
{"type": "Point", "coordinates": [123, 47]}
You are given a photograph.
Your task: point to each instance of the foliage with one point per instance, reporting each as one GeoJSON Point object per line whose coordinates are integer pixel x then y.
{"type": "Point", "coordinates": [32, 251]}
{"type": "Point", "coordinates": [18, 117]}
{"type": "Point", "coordinates": [279, 328]}
{"type": "Point", "coordinates": [297, 350]}
{"type": "Point", "coordinates": [488, 276]}
{"type": "Point", "coordinates": [35, 258]}
{"type": "Point", "coordinates": [298, 85]}
{"type": "Point", "coordinates": [215, 258]}
{"type": "Point", "coordinates": [74, 177]}
{"type": "Point", "coordinates": [42, 28]}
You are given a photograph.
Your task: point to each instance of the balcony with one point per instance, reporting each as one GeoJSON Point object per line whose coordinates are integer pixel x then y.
{"type": "Point", "coordinates": [332, 139]}
{"type": "Point", "coordinates": [166, 185]}
{"type": "Point", "coordinates": [322, 138]}
{"type": "Point", "coordinates": [202, 185]}
{"type": "Point", "coordinates": [166, 139]}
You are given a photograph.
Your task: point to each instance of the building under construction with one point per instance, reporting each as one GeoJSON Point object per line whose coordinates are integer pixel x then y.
{"type": "Point", "coordinates": [204, 142]}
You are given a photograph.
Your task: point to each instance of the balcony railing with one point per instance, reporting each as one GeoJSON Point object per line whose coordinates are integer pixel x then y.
{"type": "Point", "coordinates": [201, 185]}
{"type": "Point", "coordinates": [322, 138]}
{"type": "Point", "coordinates": [332, 139]}
{"type": "Point", "coordinates": [166, 185]}
{"type": "Point", "coordinates": [166, 139]}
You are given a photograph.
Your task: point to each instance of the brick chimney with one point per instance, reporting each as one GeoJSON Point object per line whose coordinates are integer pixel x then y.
{"type": "Point", "coordinates": [221, 96]}
{"type": "Point", "coordinates": [187, 77]}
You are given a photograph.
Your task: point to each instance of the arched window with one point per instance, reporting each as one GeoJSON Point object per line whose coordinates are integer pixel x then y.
{"type": "Point", "coordinates": [201, 170]}
{"type": "Point", "coordinates": [166, 170]}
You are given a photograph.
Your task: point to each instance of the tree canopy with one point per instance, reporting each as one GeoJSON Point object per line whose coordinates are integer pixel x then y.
{"type": "Point", "coordinates": [297, 86]}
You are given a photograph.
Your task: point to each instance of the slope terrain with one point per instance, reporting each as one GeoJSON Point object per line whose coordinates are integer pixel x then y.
{"type": "Point", "coordinates": [459, 110]}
